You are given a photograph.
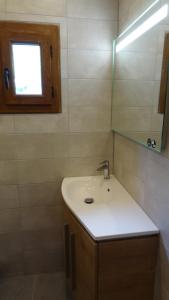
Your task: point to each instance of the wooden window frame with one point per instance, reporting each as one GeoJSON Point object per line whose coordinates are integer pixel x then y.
{"type": "Point", "coordinates": [48, 37]}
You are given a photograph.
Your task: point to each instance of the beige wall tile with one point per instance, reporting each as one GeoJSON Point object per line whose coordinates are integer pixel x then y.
{"type": "Point", "coordinates": [8, 172]}
{"type": "Point", "coordinates": [160, 162]}
{"type": "Point", "coordinates": [131, 119]}
{"type": "Point", "coordinates": [135, 65]}
{"type": "Point", "coordinates": [36, 262]}
{"type": "Point", "coordinates": [41, 170]}
{"type": "Point", "coordinates": [10, 220]}
{"type": "Point", "coordinates": [9, 196]}
{"type": "Point", "coordinates": [129, 93]}
{"type": "Point", "coordinates": [64, 64]}
{"type": "Point", "coordinates": [158, 211]}
{"type": "Point", "coordinates": [89, 119]}
{"type": "Point", "coordinates": [6, 124]}
{"type": "Point", "coordinates": [2, 5]}
{"type": "Point", "coordinates": [11, 255]}
{"type": "Point", "coordinates": [11, 244]}
{"type": "Point", "coordinates": [89, 64]}
{"type": "Point", "coordinates": [93, 9]}
{"type": "Point", "coordinates": [43, 123]}
{"type": "Point", "coordinates": [90, 145]}
{"type": "Point", "coordinates": [134, 185]}
{"type": "Point", "coordinates": [40, 194]}
{"type": "Point", "coordinates": [50, 7]}
{"type": "Point", "coordinates": [42, 240]}
{"type": "Point", "coordinates": [132, 157]}
{"type": "Point", "coordinates": [154, 181]}
{"type": "Point", "coordinates": [46, 286]}
{"type": "Point", "coordinates": [2, 15]}
{"type": "Point", "coordinates": [7, 148]}
{"type": "Point", "coordinates": [35, 218]}
{"type": "Point", "coordinates": [64, 95]}
{"type": "Point", "coordinates": [86, 92]}
{"type": "Point", "coordinates": [18, 287]}
{"type": "Point", "coordinates": [124, 6]}
{"type": "Point", "coordinates": [32, 146]}
{"type": "Point", "coordinates": [90, 34]}
{"type": "Point", "coordinates": [12, 267]}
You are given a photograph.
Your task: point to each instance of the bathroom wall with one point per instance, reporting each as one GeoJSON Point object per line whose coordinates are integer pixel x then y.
{"type": "Point", "coordinates": [37, 151]}
{"type": "Point", "coordinates": [146, 174]}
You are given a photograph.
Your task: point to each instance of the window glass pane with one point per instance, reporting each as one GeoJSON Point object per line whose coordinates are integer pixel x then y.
{"type": "Point", "coordinates": [27, 69]}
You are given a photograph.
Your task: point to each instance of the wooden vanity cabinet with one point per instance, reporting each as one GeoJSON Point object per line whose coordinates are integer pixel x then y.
{"type": "Point", "coordinates": [122, 269]}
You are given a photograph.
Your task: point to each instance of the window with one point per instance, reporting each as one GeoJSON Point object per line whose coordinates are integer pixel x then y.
{"type": "Point", "coordinates": [29, 68]}
{"type": "Point", "coordinates": [27, 82]}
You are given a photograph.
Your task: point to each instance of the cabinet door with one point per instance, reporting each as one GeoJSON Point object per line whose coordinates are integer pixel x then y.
{"type": "Point", "coordinates": [127, 268]}
{"type": "Point", "coordinates": [82, 282]}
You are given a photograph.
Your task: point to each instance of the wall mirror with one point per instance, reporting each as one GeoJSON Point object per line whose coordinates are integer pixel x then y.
{"type": "Point", "coordinates": [140, 85]}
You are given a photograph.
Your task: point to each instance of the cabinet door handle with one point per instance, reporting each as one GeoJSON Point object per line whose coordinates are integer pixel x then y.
{"type": "Point", "coordinates": [66, 239]}
{"type": "Point", "coordinates": [72, 262]}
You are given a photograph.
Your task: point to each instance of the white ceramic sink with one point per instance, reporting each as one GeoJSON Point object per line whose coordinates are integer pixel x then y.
{"type": "Point", "coordinates": [113, 214]}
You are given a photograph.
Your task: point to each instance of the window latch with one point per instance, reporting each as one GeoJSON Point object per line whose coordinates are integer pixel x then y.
{"type": "Point", "coordinates": [6, 78]}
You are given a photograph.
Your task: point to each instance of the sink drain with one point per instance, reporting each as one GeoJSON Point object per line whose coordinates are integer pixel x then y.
{"type": "Point", "coordinates": [89, 200]}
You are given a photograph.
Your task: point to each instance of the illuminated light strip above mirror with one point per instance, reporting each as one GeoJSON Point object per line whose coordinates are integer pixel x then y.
{"type": "Point", "coordinates": [139, 18]}
{"type": "Point", "coordinates": [144, 27]}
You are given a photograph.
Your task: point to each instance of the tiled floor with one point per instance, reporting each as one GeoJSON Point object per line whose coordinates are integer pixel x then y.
{"type": "Point", "coordinates": [34, 287]}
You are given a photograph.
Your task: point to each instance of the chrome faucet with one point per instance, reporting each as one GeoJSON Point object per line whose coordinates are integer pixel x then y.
{"type": "Point", "coordinates": [106, 168]}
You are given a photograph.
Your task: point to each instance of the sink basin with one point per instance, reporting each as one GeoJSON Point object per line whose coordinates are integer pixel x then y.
{"type": "Point", "coordinates": [112, 213]}
{"type": "Point", "coordinates": [78, 189]}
